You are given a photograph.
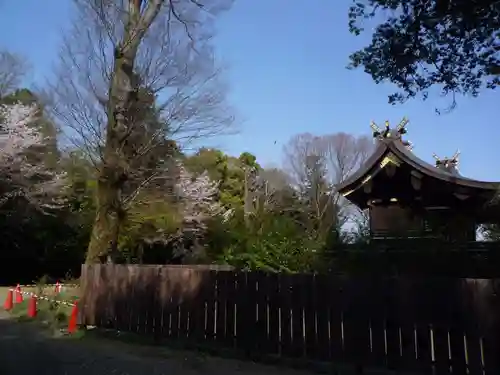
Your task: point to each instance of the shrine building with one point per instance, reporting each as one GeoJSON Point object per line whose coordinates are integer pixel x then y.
{"type": "Point", "coordinates": [408, 197]}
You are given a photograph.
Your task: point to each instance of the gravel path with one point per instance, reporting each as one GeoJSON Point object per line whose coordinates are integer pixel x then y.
{"type": "Point", "coordinates": [25, 350]}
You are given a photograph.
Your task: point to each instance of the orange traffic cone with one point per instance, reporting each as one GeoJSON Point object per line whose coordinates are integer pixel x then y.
{"type": "Point", "coordinates": [73, 318]}
{"type": "Point", "coordinates": [19, 295]}
{"type": "Point", "coordinates": [8, 301]}
{"type": "Point", "coordinates": [32, 307]}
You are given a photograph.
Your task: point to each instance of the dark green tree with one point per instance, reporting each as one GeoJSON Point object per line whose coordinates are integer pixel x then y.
{"type": "Point", "coordinates": [450, 44]}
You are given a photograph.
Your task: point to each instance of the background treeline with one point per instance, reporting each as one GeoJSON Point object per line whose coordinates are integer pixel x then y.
{"type": "Point", "coordinates": [206, 207]}
{"type": "Point", "coordinates": [95, 164]}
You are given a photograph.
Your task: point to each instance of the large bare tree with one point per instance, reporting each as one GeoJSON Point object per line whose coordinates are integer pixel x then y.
{"type": "Point", "coordinates": [13, 68]}
{"type": "Point", "coordinates": [133, 75]}
{"type": "Point", "coordinates": [335, 156]}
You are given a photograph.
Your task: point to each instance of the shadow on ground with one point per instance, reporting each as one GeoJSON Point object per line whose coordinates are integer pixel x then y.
{"type": "Point", "coordinates": [27, 350]}
{"type": "Point", "coordinates": [24, 351]}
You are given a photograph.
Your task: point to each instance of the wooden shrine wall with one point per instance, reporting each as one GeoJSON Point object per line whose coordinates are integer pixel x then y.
{"type": "Point", "coordinates": [393, 220]}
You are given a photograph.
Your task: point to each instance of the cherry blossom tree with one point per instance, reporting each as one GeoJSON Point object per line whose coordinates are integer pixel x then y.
{"type": "Point", "coordinates": [21, 174]}
{"type": "Point", "coordinates": [198, 198]}
{"type": "Point", "coordinates": [174, 213]}
{"type": "Point", "coordinates": [198, 202]}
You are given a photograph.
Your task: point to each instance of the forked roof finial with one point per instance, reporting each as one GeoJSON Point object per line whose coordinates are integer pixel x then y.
{"type": "Point", "coordinates": [448, 164]}
{"type": "Point", "coordinates": [386, 133]}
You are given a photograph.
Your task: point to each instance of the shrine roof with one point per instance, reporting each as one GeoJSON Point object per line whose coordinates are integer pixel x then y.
{"type": "Point", "coordinates": [394, 145]}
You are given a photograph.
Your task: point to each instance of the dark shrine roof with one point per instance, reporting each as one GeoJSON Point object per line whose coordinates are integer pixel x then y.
{"type": "Point", "coordinates": [396, 147]}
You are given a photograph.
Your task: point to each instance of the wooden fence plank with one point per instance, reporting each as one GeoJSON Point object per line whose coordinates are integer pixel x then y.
{"type": "Point", "coordinates": [211, 305]}
{"type": "Point", "coordinates": [141, 307]}
{"type": "Point", "coordinates": [131, 300]}
{"type": "Point", "coordinates": [309, 292]}
{"type": "Point", "coordinates": [335, 317]}
{"type": "Point", "coordinates": [175, 300]}
{"type": "Point", "coordinates": [231, 296]}
{"type": "Point", "coordinates": [83, 317]}
{"type": "Point", "coordinates": [121, 298]}
{"type": "Point", "coordinates": [456, 330]}
{"type": "Point", "coordinates": [88, 298]}
{"type": "Point", "coordinates": [321, 298]}
{"type": "Point", "coordinates": [242, 329]}
{"type": "Point", "coordinates": [393, 349]}
{"type": "Point", "coordinates": [472, 329]}
{"type": "Point", "coordinates": [406, 321]}
{"type": "Point", "coordinates": [297, 315]}
{"type": "Point", "coordinates": [186, 303]}
{"type": "Point", "coordinates": [273, 314]}
{"type": "Point", "coordinates": [108, 295]}
{"type": "Point", "coordinates": [261, 297]}
{"type": "Point", "coordinates": [120, 295]}
{"type": "Point", "coordinates": [457, 350]}
{"type": "Point", "coordinates": [376, 297]}
{"type": "Point", "coordinates": [422, 325]}
{"type": "Point", "coordinates": [253, 331]}
{"type": "Point", "coordinates": [150, 300]}
{"type": "Point", "coordinates": [101, 296]}
{"type": "Point", "coordinates": [285, 314]}
{"type": "Point", "coordinates": [490, 323]}
{"type": "Point", "coordinates": [164, 302]}
{"type": "Point", "coordinates": [197, 317]}
{"type": "Point", "coordinates": [356, 322]}
{"type": "Point", "coordinates": [220, 315]}
{"type": "Point", "coordinates": [443, 300]}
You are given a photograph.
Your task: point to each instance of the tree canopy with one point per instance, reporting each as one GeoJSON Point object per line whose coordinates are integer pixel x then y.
{"type": "Point", "coordinates": [136, 83]}
{"type": "Point", "coordinates": [419, 44]}
{"type": "Point", "coordinates": [205, 206]}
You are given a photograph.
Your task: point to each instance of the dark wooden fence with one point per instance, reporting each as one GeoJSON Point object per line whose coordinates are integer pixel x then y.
{"type": "Point", "coordinates": [429, 325]}
{"type": "Point", "coordinates": [419, 257]}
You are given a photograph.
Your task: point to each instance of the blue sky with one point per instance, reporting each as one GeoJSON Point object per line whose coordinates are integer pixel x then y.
{"type": "Point", "coordinates": [287, 75]}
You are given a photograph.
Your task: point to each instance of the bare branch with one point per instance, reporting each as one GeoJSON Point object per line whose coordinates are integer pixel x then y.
{"type": "Point", "coordinates": [186, 82]}
{"type": "Point", "coordinates": [13, 68]}
{"type": "Point", "coordinates": [132, 76]}
{"type": "Point", "coordinates": [340, 154]}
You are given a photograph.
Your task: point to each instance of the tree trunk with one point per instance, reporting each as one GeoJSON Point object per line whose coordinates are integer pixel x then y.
{"type": "Point", "coordinates": [106, 229]}
{"type": "Point", "coordinates": [122, 100]}
{"type": "Point", "coordinates": [115, 162]}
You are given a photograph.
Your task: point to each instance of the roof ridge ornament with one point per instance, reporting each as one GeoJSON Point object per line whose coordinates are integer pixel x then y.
{"type": "Point", "coordinates": [447, 163]}
{"type": "Point", "coordinates": [381, 135]}
{"type": "Point", "coordinates": [409, 145]}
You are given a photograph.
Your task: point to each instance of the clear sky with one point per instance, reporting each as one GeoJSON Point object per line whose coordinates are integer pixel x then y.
{"type": "Point", "coordinates": [287, 75]}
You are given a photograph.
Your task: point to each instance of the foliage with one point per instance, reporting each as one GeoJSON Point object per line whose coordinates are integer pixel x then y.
{"type": "Point", "coordinates": [39, 222]}
{"type": "Point", "coordinates": [228, 170]}
{"type": "Point", "coordinates": [490, 232]}
{"type": "Point", "coordinates": [420, 44]}
{"type": "Point", "coordinates": [137, 83]}
{"type": "Point", "coordinates": [197, 196]}
{"type": "Point", "coordinates": [203, 207]}
{"type": "Point", "coordinates": [174, 220]}
{"type": "Point", "coordinates": [272, 243]}
{"type": "Point", "coordinates": [175, 207]}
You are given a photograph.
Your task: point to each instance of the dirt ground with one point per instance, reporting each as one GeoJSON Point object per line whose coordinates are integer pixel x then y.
{"type": "Point", "coordinates": [26, 350]}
